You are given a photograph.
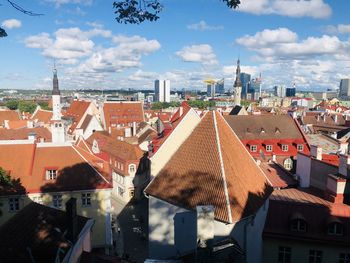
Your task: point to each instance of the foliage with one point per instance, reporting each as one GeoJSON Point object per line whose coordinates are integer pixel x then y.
{"type": "Point", "coordinates": [26, 106]}
{"type": "Point", "coordinates": [138, 11]}
{"type": "Point", "coordinates": [164, 105]}
{"type": "Point", "coordinates": [5, 179]}
{"type": "Point", "coordinates": [44, 105]}
{"type": "Point", "coordinates": [12, 104]}
{"type": "Point", "coordinates": [200, 104]}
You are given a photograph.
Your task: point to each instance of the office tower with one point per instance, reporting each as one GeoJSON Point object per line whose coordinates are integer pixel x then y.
{"type": "Point", "coordinates": [220, 86]}
{"type": "Point", "coordinates": [290, 92]}
{"type": "Point", "coordinates": [162, 90]}
{"type": "Point", "coordinates": [255, 88]}
{"type": "Point", "coordinates": [280, 91]}
{"type": "Point", "coordinates": [245, 79]}
{"type": "Point", "coordinates": [344, 88]}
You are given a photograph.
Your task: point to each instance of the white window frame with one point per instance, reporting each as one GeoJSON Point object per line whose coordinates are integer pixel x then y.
{"type": "Point", "coordinates": [51, 174]}
{"type": "Point", "coordinates": [132, 168]}
{"type": "Point", "coordinates": [121, 191]}
{"type": "Point", "coordinates": [344, 257]}
{"type": "Point", "coordinates": [13, 203]}
{"type": "Point", "coordinates": [57, 201]}
{"type": "Point", "coordinates": [315, 256]}
{"type": "Point", "coordinates": [336, 227]}
{"type": "Point", "coordinates": [269, 148]}
{"type": "Point", "coordinates": [298, 225]}
{"type": "Point", "coordinates": [253, 148]}
{"type": "Point", "coordinates": [86, 199]}
{"type": "Point", "coordinates": [288, 164]}
{"type": "Point", "coordinates": [285, 148]}
{"type": "Point", "coordinates": [300, 147]}
{"type": "Point", "coordinates": [285, 253]}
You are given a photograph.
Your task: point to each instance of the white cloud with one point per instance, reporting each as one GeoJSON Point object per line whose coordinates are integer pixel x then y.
{"type": "Point", "coordinates": [58, 3]}
{"type": "Point", "coordinates": [41, 40]}
{"type": "Point", "coordinates": [11, 23]}
{"type": "Point", "coordinates": [291, 8]}
{"type": "Point", "coordinates": [203, 54]}
{"type": "Point", "coordinates": [203, 26]}
{"type": "Point", "coordinates": [338, 29]}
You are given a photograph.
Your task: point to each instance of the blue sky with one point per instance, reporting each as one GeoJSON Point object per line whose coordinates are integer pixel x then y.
{"type": "Point", "coordinates": [305, 42]}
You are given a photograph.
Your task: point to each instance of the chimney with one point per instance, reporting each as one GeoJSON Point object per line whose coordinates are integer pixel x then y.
{"type": "Point", "coordinates": [316, 152]}
{"type": "Point", "coordinates": [109, 129]}
{"type": "Point", "coordinates": [335, 189]}
{"type": "Point", "coordinates": [30, 124]}
{"type": "Point", "coordinates": [274, 157]}
{"type": "Point", "coordinates": [72, 220]}
{"type": "Point", "coordinates": [343, 147]}
{"type": "Point", "coordinates": [181, 111]}
{"type": "Point", "coordinates": [127, 132]}
{"type": "Point", "coordinates": [6, 124]}
{"type": "Point", "coordinates": [335, 118]}
{"type": "Point", "coordinates": [344, 161]}
{"type": "Point", "coordinates": [134, 128]}
{"type": "Point", "coordinates": [318, 117]}
{"type": "Point", "coordinates": [324, 117]}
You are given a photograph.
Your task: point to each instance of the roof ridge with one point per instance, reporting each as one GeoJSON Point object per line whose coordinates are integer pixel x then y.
{"type": "Point", "coordinates": [222, 168]}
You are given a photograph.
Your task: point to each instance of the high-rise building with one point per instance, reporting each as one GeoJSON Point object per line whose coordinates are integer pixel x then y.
{"type": "Point", "coordinates": [290, 92]}
{"type": "Point", "coordinates": [211, 89]}
{"type": "Point", "coordinates": [344, 88]}
{"type": "Point", "coordinates": [220, 86]}
{"type": "Point", "coordinates": [245, 79]}
{"type": "Point", "coordinates": [162, 90]}
{"type": "Point", "coordinates": [280, 91]}
{"type": "Point", "coordinates": [255, 88]}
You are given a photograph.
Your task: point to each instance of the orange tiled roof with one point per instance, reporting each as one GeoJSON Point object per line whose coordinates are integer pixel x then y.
{"type": "Point", "coordinates": [76, 110]}
{"type": "Point", "coordinates": [122, 113]}
{"type": "Point", "coordinates": [44, 116]}
{"type": "Point", "coordinates": [10, 115]}
{"type": "Point", "coordinates": [78, 170]}
{"type": "Point", "coordinates": [212, 167]}
{"type": "Point", "coordinates": [22, 134]}
{"type": "Point", "coordinates": [17, 124]}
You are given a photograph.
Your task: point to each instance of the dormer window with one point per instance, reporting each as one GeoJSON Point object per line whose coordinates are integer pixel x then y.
{"type": "Point", "coordinates": [335, 228]}
{"type": "Point", "coordinates": [300, 147]}
{"type": "Point", "coordinates": [288, 164]}
{"type": "Point", "coordinates": [51, 174]}
{"type": "Point", "coordinates": [132, 168]}
{"type": "Point", "coordinates": [277, 130]}
{"type": "Point", "coordinates": [253, 148]}
{"type": "Point", "coordinates": [262, 131]}
{"type": "Point", "coordinates": [284, 148]}
{"type": "Point", "coordinates": [269, 148]}
{"type": "Point", "coordinates": [298, 225]}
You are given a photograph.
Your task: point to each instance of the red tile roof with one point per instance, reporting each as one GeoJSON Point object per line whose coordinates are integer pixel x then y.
{"type": "Point", "coordinates": [78, 170]}
{"type": "Point", "coordinates": [76, 111]}
{"type": "Point", "coordinates": [44, 116]}
{"type": "Point", "coordinates": [122, 113]}
{"type": "Point", "coordinates": [316, 211]}
{"type": "Point", "coordinates": [279, 177]}
{"type": "Point", "coordinates": [22, 134]}
{"type": "Point", "coordinates": [212, 168]}
{"type": "Point", "coordinates": [10, 115]}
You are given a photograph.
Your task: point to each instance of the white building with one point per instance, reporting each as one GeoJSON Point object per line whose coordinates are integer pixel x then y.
{"type": "Point", "coordinates": [162, 90]}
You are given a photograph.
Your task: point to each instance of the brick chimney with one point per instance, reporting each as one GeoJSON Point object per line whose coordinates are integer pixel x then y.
{"type": "Point", "coordinates": [335, 189]}
{"type": "Point", "coordinates": [72, 220]}
{"type": "Point", "coordinates": [316, 152]}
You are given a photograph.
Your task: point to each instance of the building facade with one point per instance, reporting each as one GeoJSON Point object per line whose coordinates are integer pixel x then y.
{"type": "Point", "coordinates": [162, 90]}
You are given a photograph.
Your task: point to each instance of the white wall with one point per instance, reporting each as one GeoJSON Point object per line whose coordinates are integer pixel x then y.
{"type": "Point", "coordinates": [304, 169]}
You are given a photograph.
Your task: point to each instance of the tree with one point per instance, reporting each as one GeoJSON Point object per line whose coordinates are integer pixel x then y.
{"type": "Point", "coordinates": [12, 104]}
{"type": "Point", "coordinates": [138, 11]}
{"type": "Point", "coordinates": [26, 106]}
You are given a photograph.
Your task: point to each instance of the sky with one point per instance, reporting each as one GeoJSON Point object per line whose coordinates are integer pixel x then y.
{"type": "Point", "coordinates": [301, 42]}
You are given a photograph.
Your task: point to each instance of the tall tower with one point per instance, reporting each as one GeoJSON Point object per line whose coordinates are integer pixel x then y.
{"type": "Point", "coordinates": [57, 126]}
{"type": "Point", "coordinates": [237, 87]}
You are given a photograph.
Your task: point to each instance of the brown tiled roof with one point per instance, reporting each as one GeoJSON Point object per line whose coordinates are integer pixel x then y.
{"type": "Point", "coordinates": [212, 167]}
{"type": "Point", "coordinates": [22, 134]}
{"type": "Point", "coordinates": [250, 127]}
{"type": "Point", "coordinates": [279, 177]}
{"type": "Point", "coordinates": [86, 122]}
{"type": "Point", "coordinates": [76, 111]}
{"type": "Point", "coordinates": [10, 115]}
{"type": "Point", "coordinates": [122, 113]}
{"type": "Point", "coordinates": [44, 116]}
{"type": "Point", "coordinates": [329, 120]}
{"type": "Point", "coordinates": [316, 211]}
{"type": "Point", "coordinates": [35, 229]}
{"type": "Point", "coordinates": [78, 170]}
{"type": "Point", "coordinates": [114, 147]}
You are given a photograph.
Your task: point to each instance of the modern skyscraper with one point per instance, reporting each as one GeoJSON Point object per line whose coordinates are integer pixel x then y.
{"type": "Point", "coordinates": [245, 79]}
{"type": "Point", "coordinates": [344, 88]}
{"type": "Point", "coordinates": [237, 87]}
{"type": "Point", "coordinates": [162, 90]}
{"type": "Point", "coordinates": [280, 91]}
{"type": "Point", "coordinates": [220, 86]}
{"type": "Point", "coordinates": [290, 92]}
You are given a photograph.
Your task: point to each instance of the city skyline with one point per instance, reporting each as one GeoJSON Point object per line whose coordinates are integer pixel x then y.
{"type": "Point", "coordinates": [307, 45]}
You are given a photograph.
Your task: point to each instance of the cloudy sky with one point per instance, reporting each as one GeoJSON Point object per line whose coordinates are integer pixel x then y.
{"type": "Point", "coordinates": [306, 42]}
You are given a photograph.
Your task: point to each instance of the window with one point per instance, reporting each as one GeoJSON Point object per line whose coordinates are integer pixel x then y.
{"type": "Point", "coordinates": [51, 174]}
{"type": "Point", "coordinates": [13, 204]}
{"type": "Point", "coordinates": [269, 148]}
{"type": "Point", "coordinates": [38, 199]}
{"type": "Point", "coordinates": [284, 147]}
{"type": "Point", "coordinates": [344, 258]}
{"type": "Point", "coordinates": [300, 147]}
{"type": "Point", "coordinates": [86, 199]}
{"type": "Point", "coordinates": [253, 148]}
{"type": "Point", "coordinates": [284, 254]}
{"type": "Point", "coordinates": [298, 225]}
{"type": "Point", "coordinates": [288, 164]}
{"type": "Point", "coordinates": [57, 201]}
{"type": "Point", "coordinates": [315, 256]}
{"type": "Point", "coordinates": [132, 168]}
{"type": "Point", "coordinates": [131, 193]}
{"type": "Point", "coordinates": [335, 228]}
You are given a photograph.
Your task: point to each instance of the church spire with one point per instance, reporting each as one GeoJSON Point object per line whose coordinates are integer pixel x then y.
{"type": "Point", "coordinates": [238, 82]}
{"type": "Point", "coordinates": [55, 88]}
{"type": "Point", "coordinates": [237, 87]}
